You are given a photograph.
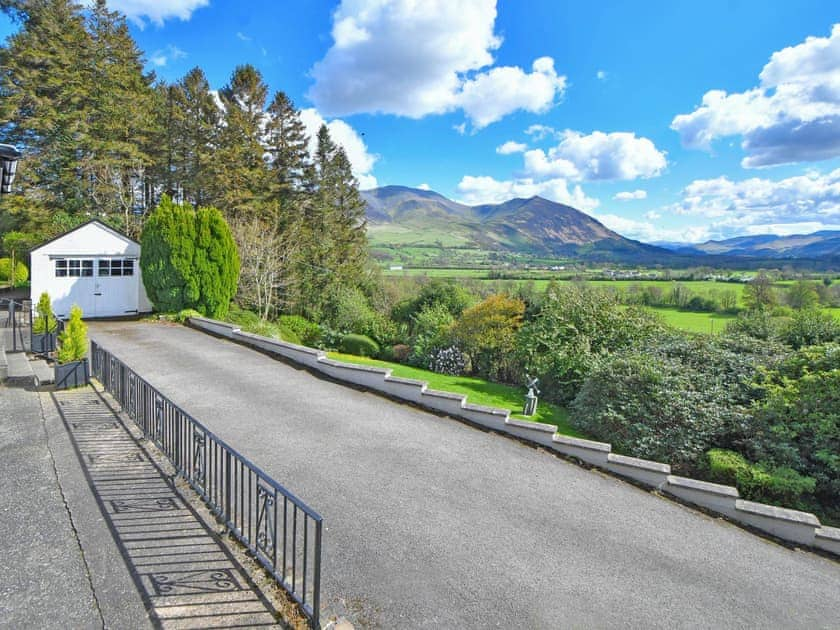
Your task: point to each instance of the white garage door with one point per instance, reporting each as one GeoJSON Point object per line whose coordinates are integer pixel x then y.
{"type": "Point", "coordinates": [102, 287]}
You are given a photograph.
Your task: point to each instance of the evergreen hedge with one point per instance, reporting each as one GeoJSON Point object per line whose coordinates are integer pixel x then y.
{"type": "Point", "coordinates": [189, 259]}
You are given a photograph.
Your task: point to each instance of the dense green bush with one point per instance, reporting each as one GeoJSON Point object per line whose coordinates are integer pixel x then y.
{"type": "Point", "coordinates": [72, 342]}
{"type": "Point", "coordinates": [348, 309]}
{"type": "Point", "coordinates": [575, 326]}
{"type": "Point", "coordinates": [309, 333]}
{"type": "Point", "coordinates": [759, 324]}
{"type": "Point", "coordinates": [757, 482]}
{"type": "Point", "coordinates": [360, 345]}
{"type": "Point", "coordinates": [189, 259]}
{"type": "Point", "coordinates": [21, 272]}
{"type": "Point", "coordinates": [445, 294]}
{"type": "Point", "coordinates": [810, 327]}
{"type": "Point", "coordinates": [487, 333]}
{"type": "Point", "coordinates": [431, 326]}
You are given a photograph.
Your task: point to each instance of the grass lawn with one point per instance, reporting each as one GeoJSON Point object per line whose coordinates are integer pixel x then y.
{"type": "Point", "coordinates": [478, 391]}
{"type": "Point", "coordinates": [707, 323]}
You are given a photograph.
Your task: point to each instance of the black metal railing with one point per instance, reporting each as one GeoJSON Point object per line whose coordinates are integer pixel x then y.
{"type": "Point", "coordinates": [17, 316]}
{"type": "Point", "coordinates": [282, 532]}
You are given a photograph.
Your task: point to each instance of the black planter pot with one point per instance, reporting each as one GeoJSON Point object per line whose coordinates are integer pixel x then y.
{"type": "Point", "coordinates": [43, 343]}
{"type": "Point", "coordinates": [73, 374]}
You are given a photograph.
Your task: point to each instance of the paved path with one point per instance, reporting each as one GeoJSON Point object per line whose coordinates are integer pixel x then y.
{"type": "Point", "coordinates": [431, 523]}
{"type": "Point", "coordinates": [95, 536]}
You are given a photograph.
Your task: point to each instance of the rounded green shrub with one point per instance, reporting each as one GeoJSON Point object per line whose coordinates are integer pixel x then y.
{"type": "Point", "coordinates": [360, 345]}
{"type": "Point", "coordinates": [308, 333]}
{"type": "Point", "coordinates": [21, 272]}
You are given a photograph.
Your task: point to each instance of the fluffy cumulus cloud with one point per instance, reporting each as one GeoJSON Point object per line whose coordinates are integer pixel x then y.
{"type": "Point", "coordinates": [793, 115]}
{"type": "Point", "coordinates": [597, 156]}
{"type": "Point", "coordinates": [157, 11]}
{"type": "Point", "coordinates": [630, 195]}
{"type": "Point", "coordinates": [510, 147]}
{"type": "Point", "coordinates": [343, 134]}
{"type": "Point", "coordinates": [446, 66]}
{"type": "Point", "coordinates": [648, 232]}
{"type": "Point", "coordinates": [485, 189]}
{"type": "Point", "coordinates": [795, 205]}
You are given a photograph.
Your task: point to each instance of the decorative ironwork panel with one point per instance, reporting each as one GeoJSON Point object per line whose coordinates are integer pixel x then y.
{"type": "Point", "coordinates": [265, 520]}
{"type": "Point", "coordinates": [198, 472]}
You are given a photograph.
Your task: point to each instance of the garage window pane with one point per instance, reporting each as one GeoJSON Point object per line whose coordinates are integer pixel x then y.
{"type": "Point", "coordinates": [104, 267]}
{"type": "Point", "coordinates": [128, 267]}
{"type": "Point", "coordinates": [74, 268]}
{"type": "Point", "coordinates": [60, 268]}
{"type": "Point", "coordinates": [87, 268]}
{"type": "Point", "coordinates": [116, 266]}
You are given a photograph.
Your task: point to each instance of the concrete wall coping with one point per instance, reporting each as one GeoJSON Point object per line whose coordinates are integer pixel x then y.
{"type": "Point", "coordinates": [829, 533]}
{"type": "Point", "coordinates": [536, 426]}
{"type": "Point", "coordinates": [581, 443]}
{"type": "Point", "coordinates": [494, 411]}
{"type": "Point", "coordinates": [448, 395]}
{"type": "Point", "coordinates": [771, 511]}
{"type": "Point", "coordinates": [703, 486]}
{"type": "Point", "coordinates": [216, 322]}
{"type": "Point", "coordinates": [405, 381]}
{"type": "Point", "coordinates": [624, 460]}
{"type": "Point", "coordinates": [353, 366]}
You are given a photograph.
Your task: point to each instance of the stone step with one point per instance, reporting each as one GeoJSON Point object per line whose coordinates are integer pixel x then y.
{"type": "Point", "coordinates": [19, 370]}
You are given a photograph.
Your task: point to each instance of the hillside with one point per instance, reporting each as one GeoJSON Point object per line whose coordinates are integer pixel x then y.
{"type": "Point", "coordinates": [406, 217]}
{"type": "Point", "coordinates": [824, 244]}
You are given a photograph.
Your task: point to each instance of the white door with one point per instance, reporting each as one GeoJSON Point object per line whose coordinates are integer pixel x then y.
{"type": "Point", "coordinates": [115, 292]}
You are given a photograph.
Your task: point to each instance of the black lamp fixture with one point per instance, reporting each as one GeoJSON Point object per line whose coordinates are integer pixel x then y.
{"type": "Point", "coordinates": [9, 156]}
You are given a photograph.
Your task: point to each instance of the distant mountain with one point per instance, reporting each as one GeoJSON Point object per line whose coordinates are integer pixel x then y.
{"type": "Point", "coordinates": [398, 215]}
{"type": "Point", "coordinates": [823, 244]}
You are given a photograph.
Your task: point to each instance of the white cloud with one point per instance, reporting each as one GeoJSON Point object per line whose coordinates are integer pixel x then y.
{"type": "Point", "coordinates": [492, 95]}
{"type": "Point", "coordinates": [424, 186]}
{"type": "Point", "coordinates": [242, 37]}
{"type": "Point", "coordinates": [343, 134]}
{"type": "Point", "coordinates": [156, 11]}
{"type": "Point", "coordinates": [599, 155]}
{"type": "Point", "coordinates": [792, 116]}
{"type": "Point", "coordinates": [162, 57]}
{"type": "Point", "coordinates": [540, 132]}
{"type": "Point", "coordinates": [447, 66]}
{"type": "Point", "coordinates": [510, 147]}
{"type": "Point", "coordinates": [630, 195]}
{"type": "Point", "coordinates": [485, 189]}
{"type": "Point", "coordinates": [601, 75]}
{"type": "Point", "coordinates": [647, 232]}
{"type": "Point", "coordinates": [652, 215]}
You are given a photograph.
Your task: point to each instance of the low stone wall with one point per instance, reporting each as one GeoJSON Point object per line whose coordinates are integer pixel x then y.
{"type": "Point", "coordinates": [791, 525]}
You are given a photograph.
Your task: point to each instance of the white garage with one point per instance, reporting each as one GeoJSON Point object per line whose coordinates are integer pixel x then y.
{"type": "Point", "coordinates": [93, 266]}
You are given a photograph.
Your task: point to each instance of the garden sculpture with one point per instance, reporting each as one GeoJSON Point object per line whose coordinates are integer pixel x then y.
{"type": "Point", "coordinates": [531, 397]}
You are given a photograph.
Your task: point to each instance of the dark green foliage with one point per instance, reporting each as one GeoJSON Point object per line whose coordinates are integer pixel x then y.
{"type": "Point", "coordinates": [782, 486]}
{"type": "Point", "coordinates": [809, 327]}
{"type": "Point", "coordinates": [453, 297]}
{"type": "Point", "coordinates": [673, 397]}
{"type": "Point", "coordinates": [575, 326]}
{"type": "Point", "coordinates": [349, 309]}
{"type": "Point", "coordinates": [309, 333]}
{"type": "Point", "coordinates": [189, 259]}
{"type": "Point", "coordinates": [431, 326]}
{"type": "Point", "coordinates": [360, 345]}
{"type": "Point", "coordinates": [759, 324]}
{"type": "Point", "coordinates": [72, 342]}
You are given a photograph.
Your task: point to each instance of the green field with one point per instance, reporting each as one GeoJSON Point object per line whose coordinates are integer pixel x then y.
{"type": "Point", "coordinates": [708, 323]}
{"type": "Point", "coordinates": [478, 391]}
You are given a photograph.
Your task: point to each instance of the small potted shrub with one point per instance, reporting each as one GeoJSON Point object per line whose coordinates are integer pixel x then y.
{"type": "Point", "coordinates": [44, 327]}
{"type": "Point", "coordinates": [71, 368]}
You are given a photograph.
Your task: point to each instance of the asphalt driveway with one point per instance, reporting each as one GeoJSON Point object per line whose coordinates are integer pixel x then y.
{"type": "Point", "coordinates": [431, 523]}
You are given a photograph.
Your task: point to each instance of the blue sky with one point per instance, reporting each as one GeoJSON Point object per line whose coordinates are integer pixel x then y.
{"type": "Point", "coordinates": [665, 120]}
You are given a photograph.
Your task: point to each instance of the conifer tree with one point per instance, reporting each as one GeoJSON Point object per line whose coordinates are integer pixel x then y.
{"type": "Point", "coordinates": [240, 181]}
{"type": "Point", "coordinates": [287, 145]}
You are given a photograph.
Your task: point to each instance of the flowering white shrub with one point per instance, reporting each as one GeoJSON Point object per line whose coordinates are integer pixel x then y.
{"type": "Point", "coordinates": [449, 360]}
